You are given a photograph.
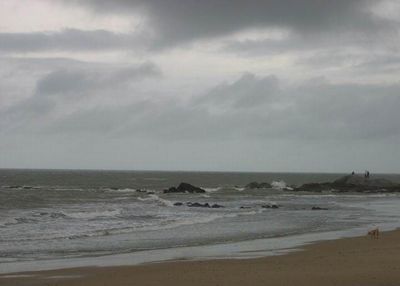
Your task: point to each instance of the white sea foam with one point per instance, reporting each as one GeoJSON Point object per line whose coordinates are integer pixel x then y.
{"type": "Point", "coordinates": [8, 221]}
{"type": "Point", "coordinates": [125, 190]}
{"type": "Point", "coordinates": [92, 214]}
{"type": "Point", "coordinates": [280, 185]}
{"type": "Point", "coordinates": [212, 190]}
{"type": "Point", "coordinates": [201, 219]}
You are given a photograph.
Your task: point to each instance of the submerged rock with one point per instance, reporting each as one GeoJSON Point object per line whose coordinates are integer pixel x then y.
{"type": "Point", "coordinates": [352, 183]}
{"type": "Point", "coordinates": [318, 209]}
{"type": "Point", "coordinates": [184, 188]}
{"type": "Point", "coordinates": [15, 187]}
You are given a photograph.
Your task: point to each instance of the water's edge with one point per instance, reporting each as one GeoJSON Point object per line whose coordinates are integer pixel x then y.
{"type": "Point", "coordinates": [238, 250]}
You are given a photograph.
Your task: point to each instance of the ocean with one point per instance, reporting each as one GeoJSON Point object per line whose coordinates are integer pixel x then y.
{"type": "Point", "coordinates": [59, 215]}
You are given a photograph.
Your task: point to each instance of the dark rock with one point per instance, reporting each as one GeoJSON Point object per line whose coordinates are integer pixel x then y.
{"type": "Point", "coordinates": [15, 187]}
{"type": "Point", "coordinates": [356, 180]}
{"type": "Point", "coordinates": [352, 183]}
{"type": "Point", "coordinates": [178, 204]}
{"type": "Point", "coordinates": [216, 206]}
{"type": "Point", "coordinates": [205, 205]}
{"type": "Point", "coordinates": [318, 209]}
{"type": "Point", "coordinates": [198, 205]}
{"type": "Point", "coordinates": [171, 190]}
{"type": "Point", "coordinates": [245, 207]}
{"type": "Point", "coordinates": [256, 185]}
{"type": "Point", "coordinates": [272, 206]}
{"type": "Point", "coordinates": [184, 188]}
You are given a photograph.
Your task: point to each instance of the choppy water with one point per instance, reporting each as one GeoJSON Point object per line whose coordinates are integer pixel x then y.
{"type": "Point", "coordinates": [59, 214]}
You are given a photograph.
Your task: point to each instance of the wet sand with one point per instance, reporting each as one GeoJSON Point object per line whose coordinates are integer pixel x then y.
{"type": "Point", "coordinates": [346, 262]}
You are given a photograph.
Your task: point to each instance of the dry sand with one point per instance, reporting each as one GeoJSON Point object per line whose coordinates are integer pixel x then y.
{"type": "Point", "coordinates": [359, 261]}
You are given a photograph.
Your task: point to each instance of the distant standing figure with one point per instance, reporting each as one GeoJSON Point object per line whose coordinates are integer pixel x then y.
{"type": "Point", "coordinates": [352, 173]}
{"type": "Point", "coordinates": [366, 175]}
{"type": "Point", "coordinates": [374, 233]}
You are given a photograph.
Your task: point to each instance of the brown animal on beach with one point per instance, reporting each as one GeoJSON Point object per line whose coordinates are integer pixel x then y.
{"type": "Point", "coordinates": [374, 233]}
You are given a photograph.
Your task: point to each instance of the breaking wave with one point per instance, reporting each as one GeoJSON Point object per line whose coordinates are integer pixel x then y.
{"type": "Point", "coordinates": [155, 198]}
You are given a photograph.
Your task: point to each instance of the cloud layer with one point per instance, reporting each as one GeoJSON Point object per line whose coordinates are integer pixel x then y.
{"type": "Point", "coordinates": [235, 85]}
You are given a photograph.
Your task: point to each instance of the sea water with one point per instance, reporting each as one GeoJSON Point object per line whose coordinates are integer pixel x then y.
{"type": "Point", "coordinates": [55, 215]}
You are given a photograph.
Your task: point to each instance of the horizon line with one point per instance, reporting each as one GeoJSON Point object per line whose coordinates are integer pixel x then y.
{"type": "Point", "coordinates": [187, 171]}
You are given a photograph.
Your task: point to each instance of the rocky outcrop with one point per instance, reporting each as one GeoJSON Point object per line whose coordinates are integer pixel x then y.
{"type": "Point", "coordinates": [352, 183]}
{"type": "Point", "coordinates": [184, 188]}
{"type": "Point", "coordinates": [256, 185]}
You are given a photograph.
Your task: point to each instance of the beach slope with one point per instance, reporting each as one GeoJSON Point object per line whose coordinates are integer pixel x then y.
{"type": "Point", "coordinates": [345, 262]}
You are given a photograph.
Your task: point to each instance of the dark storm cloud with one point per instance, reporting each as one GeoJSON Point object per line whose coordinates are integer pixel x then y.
{"type": "Point", "coordinates": [168, 23]}
{"type": "Point", "coordinates": [180, 20]}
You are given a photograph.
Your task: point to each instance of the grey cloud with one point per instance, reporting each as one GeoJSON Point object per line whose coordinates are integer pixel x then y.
{"type": "Point", "coordinates": [80, 80]}
{"type": "Point", "coordinates": [69, 40]}
{"type": "Point", "coordinates": [64, 90]}
{"type": "Point", "coordinates": [314, 120]}
{"type": "Point", "coordinates": [246, 92]}
{"type": "Point", "coordinates": [307, 112]}
{"type": "Point", "coordinates": [290, 44]}
{"type": "Point", "coordinates": [313, 111]}
{"type": "Point", "coordinates": [389, 62]}
{"type": "Point", "coordinates": [62, 81]}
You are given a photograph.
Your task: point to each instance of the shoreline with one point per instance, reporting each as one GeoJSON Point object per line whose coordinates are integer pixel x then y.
{"type": "Point", "coordinates": [347, 261]}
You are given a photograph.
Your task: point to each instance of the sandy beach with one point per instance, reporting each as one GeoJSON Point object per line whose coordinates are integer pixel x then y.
{"type": "Point", "coordinates": [349, 261]}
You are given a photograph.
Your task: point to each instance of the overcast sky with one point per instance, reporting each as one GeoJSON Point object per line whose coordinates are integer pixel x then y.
{"type": "Point", "coordinates": [255, 85]}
